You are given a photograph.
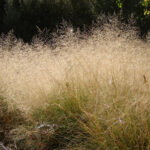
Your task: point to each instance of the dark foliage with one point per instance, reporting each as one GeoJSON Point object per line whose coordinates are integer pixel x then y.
{"type": "Point", "coordinates": [2, 13]}
{"type": "Point", "coordinates": [136, 9]}
{"type": "Point", "coordinates": [25, 16]}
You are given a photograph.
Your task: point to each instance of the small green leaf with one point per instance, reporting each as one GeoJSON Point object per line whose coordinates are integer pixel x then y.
{"type": "Point", "coordinates": [119, 3]}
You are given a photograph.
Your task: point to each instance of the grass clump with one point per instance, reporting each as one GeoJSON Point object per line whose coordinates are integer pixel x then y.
{"type": "Point", "coordinates": [90, 92]}
{"type": "Point", "coordinates": [10, 120]}
{"type": "Point", "coordinates": [118, 120]}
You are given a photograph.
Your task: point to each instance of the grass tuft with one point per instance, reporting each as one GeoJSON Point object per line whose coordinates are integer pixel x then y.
{"type": "Point", "coordinates": [90, 92]}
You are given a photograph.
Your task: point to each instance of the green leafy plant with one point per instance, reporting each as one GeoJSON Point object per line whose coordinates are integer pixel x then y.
{"type": "Point", "coordinates": [146, 4]}
{"type": "Point", "coordinates": [119, 3]}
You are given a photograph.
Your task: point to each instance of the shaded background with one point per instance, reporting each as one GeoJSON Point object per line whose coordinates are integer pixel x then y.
{"type": "Point", "coordinates": [24, 16]}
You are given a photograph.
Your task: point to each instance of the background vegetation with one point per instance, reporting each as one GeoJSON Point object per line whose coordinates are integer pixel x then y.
{"type": "Point", "coordinates": [24, 16]}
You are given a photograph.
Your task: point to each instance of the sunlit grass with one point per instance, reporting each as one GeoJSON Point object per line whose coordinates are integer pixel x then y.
{"type": "Point", "coordinates": [91, 93]}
